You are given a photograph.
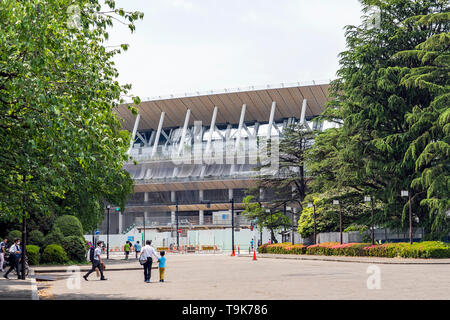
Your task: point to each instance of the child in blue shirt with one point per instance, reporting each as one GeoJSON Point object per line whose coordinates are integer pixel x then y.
{"type": "Point", "coordinates": [162, 266]}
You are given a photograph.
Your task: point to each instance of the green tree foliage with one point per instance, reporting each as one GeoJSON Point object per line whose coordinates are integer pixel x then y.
{"type": "Point", "coordinates": [35, 237]}
{"type": "Point", "coordinates": [54, 237]}
{"type": "Point", "coordinates": [271, 219]}
{"type": "Point", "coordinates": [75, 248]}
{"type": "Point", "coordinates": [290, 184]}
{"type": "Point", "coordinates": [371, 104]}
{"type": "Point", "coordinates": [33, 254]}
{"type": "Point", "coordinates": [428, 66]}
{"type": "Point", "coordinates": [69, 226]}
{"type": "Point", "coordinates": [59, 137]}
{"type": "Point", "coordinates": [13, 235]}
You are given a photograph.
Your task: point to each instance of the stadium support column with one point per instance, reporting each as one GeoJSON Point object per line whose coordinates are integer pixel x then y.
{"type": "Point", "coordinates": [272, 114]}
{"type": "Point", "coordinates": [133, 136]}
{"type": "Point", "coordinates": [200, 212]}
{"type": "Point", "coordinates": [183, 134]}
{"type": "Point", "coordinates": [303, 113]}
{"type": "Point", "coordinates": [173, 200]}
{"type": "Point", "coordinates": [120, 222]}
{"type": "Point", "coordinates": [158, 133]}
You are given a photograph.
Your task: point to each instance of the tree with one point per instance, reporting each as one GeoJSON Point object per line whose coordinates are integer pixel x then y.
{"type": "Point", "coordinates": [365, 154]}
{"type": "Point", "coordinates": [265, 218]}
{"type": "Point", "coordinates": [289, 185]}
{"type": "Point", "coordinates": [428, 69]}
{"type": "Point", "coordinates": [59, 136]}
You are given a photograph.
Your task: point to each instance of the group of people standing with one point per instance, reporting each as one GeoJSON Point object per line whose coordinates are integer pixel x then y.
{"type": "Point", "coordinates": [129, 246]}
{"type": "Point", "coordinates": [15, 257]}
{"type": "Point", "coordinates": [145, 258]}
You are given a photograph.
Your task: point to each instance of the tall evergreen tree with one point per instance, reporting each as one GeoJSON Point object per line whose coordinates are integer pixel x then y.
{"type": "Point", "coordinates": [429, 124]}
{"type": "Point", "coordinates": [365, 155]}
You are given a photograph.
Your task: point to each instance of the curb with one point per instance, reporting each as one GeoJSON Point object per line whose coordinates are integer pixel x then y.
{"type": "Point", "coordinates": [294, 257]}
{"type": "Point", "coordinates": [87, 269]}
{"type": "Point", "coordinates": [34, 290]}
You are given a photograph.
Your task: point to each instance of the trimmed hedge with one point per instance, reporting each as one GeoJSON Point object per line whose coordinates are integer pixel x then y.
{"type": "Point", "coordinates": [54, 237]}
{"type": "Point", "coordinates": [54, 253]}
{"type": "Point", "coordinates": [283, 248]}
{"type": "Point", "coordinates": [421, 250]}
{"type": "Point", "coordinates": [33, 254]}
{"type": "Point", "coordinates": [75, 248]}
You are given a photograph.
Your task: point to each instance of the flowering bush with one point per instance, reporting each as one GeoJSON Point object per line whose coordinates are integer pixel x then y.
{"type": "Point", "coordinates": [423, 250]}
{"type": "Point", "coordinates": [282, 248]}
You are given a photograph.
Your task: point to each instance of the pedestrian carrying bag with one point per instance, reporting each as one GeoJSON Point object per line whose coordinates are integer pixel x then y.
{"type": "Point", "coordinates": [142, 260]}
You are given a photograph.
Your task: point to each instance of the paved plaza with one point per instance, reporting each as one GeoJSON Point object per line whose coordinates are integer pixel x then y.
{"type": "Point", "coordinates": [209, 276]}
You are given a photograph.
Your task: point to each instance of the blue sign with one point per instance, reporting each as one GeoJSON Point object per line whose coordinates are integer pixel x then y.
{"type": "Point", "coordinates": [130, 238]}
{"type": "Point", "coordinates": [224, 216]}
{"type": "Point", "coordinates": [97, 232]}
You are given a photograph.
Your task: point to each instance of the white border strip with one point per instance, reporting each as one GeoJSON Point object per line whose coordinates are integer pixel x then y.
{"type": "Point", "coordinates": [34, 290]}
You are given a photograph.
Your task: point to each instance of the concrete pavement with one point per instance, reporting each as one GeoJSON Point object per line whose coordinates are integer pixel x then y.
{"type": "Point", "coordinates": [200, 277]}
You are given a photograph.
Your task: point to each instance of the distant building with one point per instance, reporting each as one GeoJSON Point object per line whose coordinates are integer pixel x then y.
{"type": "Point", "coordinates": [198, 152]}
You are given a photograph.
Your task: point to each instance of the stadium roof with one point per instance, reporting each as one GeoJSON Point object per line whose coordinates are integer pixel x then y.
{"type": "Point", "coordinates": [258, 100]}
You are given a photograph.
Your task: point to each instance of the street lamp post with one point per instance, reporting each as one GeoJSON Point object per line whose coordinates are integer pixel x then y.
{"type": "Point", "coordinates": [24, 245]}
{"type": "Point", "coordinates": [372, 232]}
{"type": "Point", "coordinates": [107, 232]}
{"type": "Point", "coordinates": [232, 225]}
{"type": "Point", "coordinates": [314, 218]}
{"type": "Point", "coordinates": [336, 202]}
{"type": "Point", "coordinates": [408, 194]}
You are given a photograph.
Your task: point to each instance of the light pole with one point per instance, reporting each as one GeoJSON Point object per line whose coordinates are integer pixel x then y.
{"type": "Point", "coordinates": [372, 232]}
{"type": "Point", "coordinates": [107, 232]}
{"type": "Point", "coordinates": [336, 202]}
{"type": "Point", "coordinates": [408, 194]}
{"type": "Point", "coordinates": [232, 225]}
{"type": "Point", "coordinates": [143, 235]}
{"type": "Point", "coordinates": [292, 223]}
{"type": "Point", "coordinates": [314, 217]}
{"type": "Point", "coordinates": [178, 235]}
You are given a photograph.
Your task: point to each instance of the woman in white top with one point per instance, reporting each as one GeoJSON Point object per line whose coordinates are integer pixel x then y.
{"type": "Point", "coordinates": [146, 255]}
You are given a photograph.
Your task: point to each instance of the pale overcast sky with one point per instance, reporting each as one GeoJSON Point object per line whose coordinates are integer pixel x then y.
{"type": "Point", "coordinates": [198, 45]}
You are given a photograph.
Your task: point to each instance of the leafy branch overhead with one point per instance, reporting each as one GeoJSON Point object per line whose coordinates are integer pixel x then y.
{"type": "Point", "coordinates": [62, 146]}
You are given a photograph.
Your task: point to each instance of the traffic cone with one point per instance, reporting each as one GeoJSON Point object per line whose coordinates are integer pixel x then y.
{"type": "Point", "coordinates": [254, 255]}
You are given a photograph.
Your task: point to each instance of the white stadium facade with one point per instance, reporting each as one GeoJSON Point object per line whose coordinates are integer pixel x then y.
{"type": "Point", "coordinates": [194, 155]}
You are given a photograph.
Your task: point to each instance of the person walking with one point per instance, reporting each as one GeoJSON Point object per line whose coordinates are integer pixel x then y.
{"type": "Point", "coordinates": [2, 253]}
{"type": "Point", "coordinates": [162, 265]}
{"type": "Point", "coordinates": [127, 250]}
{"type": "Point", "coordinates": [96, 262]}
{"type": "Point", "coordinates": [146, 255]}
{"type": "Point", "coordinates": [15, 254]}
{"type": "Point", "coordinates": [137, 248]}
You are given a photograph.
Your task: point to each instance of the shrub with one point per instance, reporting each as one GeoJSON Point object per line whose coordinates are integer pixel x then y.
{"type": "Point", "coordinates": [33, 254]}
{"type": "Point", "coordinates": [13, 235]}
{"type": "Point", "coordinates": [282, 248]}
{"type": "Point", "coordinates": [69, 226]}
{"type": "Point", "coordinates": [54, 237]}
{"type": "Point", "coordinates": [36, 238]}
{"type": "Point", "coordinates": [54, 253]}
{"type": "Point", "coordinates": [75, 248]}
{"type": "Point", "coordinates": [422, 250]}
